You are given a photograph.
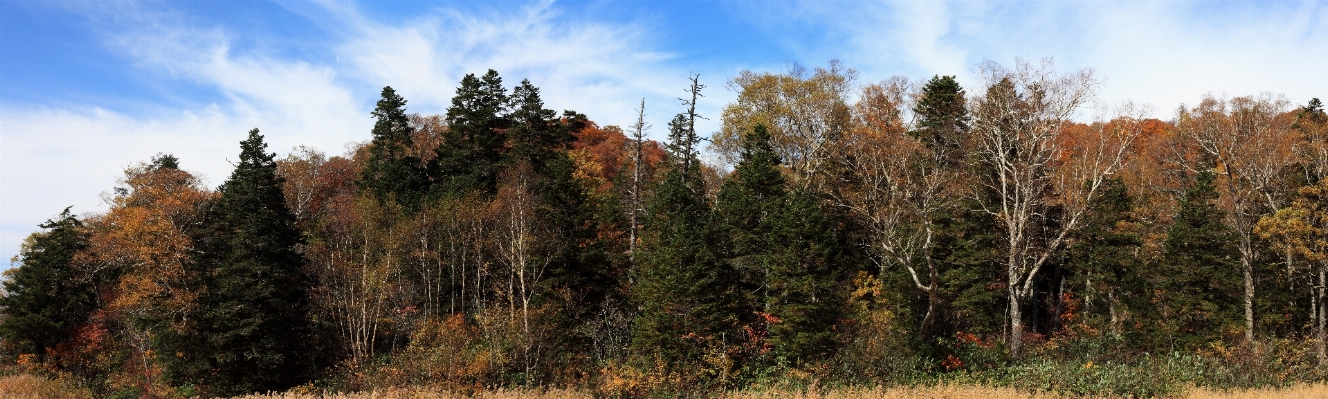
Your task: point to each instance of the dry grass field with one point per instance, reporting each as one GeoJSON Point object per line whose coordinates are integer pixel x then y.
{"type": "Point", "coordinates": [31, 387]}
{"type": "Point", "coordinates": [1319, 391]}
{"type": "Point", "coordinates": [24, 386]}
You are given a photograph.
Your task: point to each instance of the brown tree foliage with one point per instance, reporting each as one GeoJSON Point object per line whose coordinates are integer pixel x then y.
{"type": "Point", "coordinates": [805, 113]}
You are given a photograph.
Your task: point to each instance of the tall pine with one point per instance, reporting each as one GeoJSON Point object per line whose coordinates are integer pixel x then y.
{"type": "Point", "coordinates": [785, 248]}
{"type": "Point", "coordinates": [746, 204]}
{"type": "Point", "coordinates": [942, 119]}
{"type": "Point", "coordinates": [1104, 257]}
{"type": "Point", "coordinates": [1198, 282]}
{"type": "Point", "coordinates": [253, 323]}
{"type": "Point", "coordinates": [45, 299]}
{"type": "Point", "coordinates": [688, 300]}
{"type": "Point", "coordinates": [471, 154]}
{"type": "Point", "coordinates": [805, 267]}
{"type": "Point", "coordinates": [391, 172]}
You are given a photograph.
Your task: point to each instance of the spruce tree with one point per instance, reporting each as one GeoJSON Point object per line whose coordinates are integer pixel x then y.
{"type": "Point", "coordinates": [470, 156]}
{"type": "Point", "coordinates": [46, 299]}
{"type": "Point", "coordinates": [1199, 278]}
{"type": "Point", "coordinates": [970, 255]}
{"type": "Point", "coordinates": [1104, 257]}
{"type": "Point", "coordinates": [687, 297]}
{"type": "Point", "coordinates": [253, 323]}
{"type": "Point", "coordinates": [391, 173]}
{"type": "Point", "coordinates": [942, 116]}
{"type": "Point", "coordinates": [745, 204]}
{"type": "Point", "coordinates": [805, 267]}
{"type": "Point", "coordinates": [579, 269]}
{"type": "Point", "coordinates": [785, 248]}
{"type": "Point", "coordinates": [536, 135]}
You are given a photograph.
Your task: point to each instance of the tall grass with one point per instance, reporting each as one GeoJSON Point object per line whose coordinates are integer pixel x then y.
{"type": "Point", "coordinates": [24, 386]}
{"type": "Point", "coordinates": [27, 386]}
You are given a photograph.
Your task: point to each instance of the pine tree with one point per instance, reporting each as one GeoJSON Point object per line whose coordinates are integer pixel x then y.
{"type": "Point", "coordinates": [536, 134]}
{"type": "Point", "coordinates": [687, 296]}
{"type": "Point", "coordinates": [470, 157]}
{"type": "Point", "coordinates": [745, 205]}
{"type": "Point", "coordinates": [970, 253]}
{"type": "Point", "coordinates": [1104, 259]}
{"type": "Point", "coordinates": [805, 268]}
{"type": "Point", "coordinates": [45, 298]}
{"type": "Point", "coordinates": [784, 247]}
{"type": "Point", "coordinates": [391, 173]}
{"type": "Point", "coordinates": [251, 331]}
{"type": "Point", "coordinates": [1199, 277]}
{"type": "Point", "coordinates": [579, 269]}
{"type": "Point", "coordinates": [942, 116]}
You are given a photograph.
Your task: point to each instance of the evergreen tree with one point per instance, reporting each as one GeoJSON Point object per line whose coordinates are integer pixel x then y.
{"type": "Point", "coordinates": [784, 247]}
{"type": "Point", "coordinates": [805, 268]}
{"type": "Point", "coordinates": [1105, 256]}
{"type": "Point", "coordinates": [745, 205]}
{"type": "Point", "coordinates": [1198, 279]}
{"type": "Point", "coordinates": [249, 335]}
{"type": "Point", "coordinates": [972, 281]}
{"type": "Point", "coordinates": [687, 297]}
{"type": "Point", "coordinates": [536, 135]}
{"type": "Point", "coordinates": [473, 147]}
{"type": "Point", "coordinates": [942, 116]}
{"type": "Point", "coordinates": [391, 173]}
{"type": "Point", "coordinates": [579, 270]}
{"type": "Point", "coordinates": [45, 298]}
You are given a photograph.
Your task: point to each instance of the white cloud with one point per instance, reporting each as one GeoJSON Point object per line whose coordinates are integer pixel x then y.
{"type": "Point", "coordinates": [59, 156]}
{"type": "Point", "coordinates": [596, 68]}
{"type": "Point", "coordinates": [1160, 52]}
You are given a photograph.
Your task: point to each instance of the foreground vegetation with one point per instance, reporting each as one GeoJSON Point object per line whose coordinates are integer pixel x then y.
{"type": "Point", "coordinates": [896, 234]}
{"type": "Point", "coordinates": [28, 386]}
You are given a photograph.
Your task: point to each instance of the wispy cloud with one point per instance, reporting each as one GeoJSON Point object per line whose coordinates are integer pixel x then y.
{"type": "Point", "coordinates": [209, 81]}
{"type": "Point", "coordinates": [1161, 52]}
{"type": "Point", "coordinates": [599, 68]}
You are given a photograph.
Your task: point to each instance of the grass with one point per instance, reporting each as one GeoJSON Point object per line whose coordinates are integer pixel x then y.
{"type": "Point", "coordinates": [23, 386]}
{"type": "Point", "coordinates": [26, 386]}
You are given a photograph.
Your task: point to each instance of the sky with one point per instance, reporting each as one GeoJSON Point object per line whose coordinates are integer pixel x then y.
{"type": "Point", "coordinates": [89, 88]}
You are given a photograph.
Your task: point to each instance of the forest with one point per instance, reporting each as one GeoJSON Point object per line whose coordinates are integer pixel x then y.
{"type": "Point", "coordinates": [834, 232]}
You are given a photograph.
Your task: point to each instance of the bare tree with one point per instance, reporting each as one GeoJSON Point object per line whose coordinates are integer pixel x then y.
{"type": "Point", "coordinates": [1248, 143]}
{"type": "Point", "coordinates": [637, 142]}
{"type": "Point", "coordinates": [896, 185]}
{"type": "Point", "coordinates": [522, 246]}
{"type": "Point", "coordinates": [690, 138]}
{"type": "Point", "coordinates": [1025, 162]}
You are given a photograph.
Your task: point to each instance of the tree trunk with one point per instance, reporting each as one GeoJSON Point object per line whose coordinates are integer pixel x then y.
{"type": "Point", "coordinates": [1248, 270]}
{"type": "Point", "coordinates": [1111, 309]}
{"type": "Point", "coordinates": [933, 301]}
{"type": "Point", "coordinates": [1016, 338]}
{"type": "Point", "coordinates": [1319, 336]}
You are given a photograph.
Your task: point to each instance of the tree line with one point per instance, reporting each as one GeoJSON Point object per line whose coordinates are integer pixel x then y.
{"type": "Point", "coordinates": [863, 229]}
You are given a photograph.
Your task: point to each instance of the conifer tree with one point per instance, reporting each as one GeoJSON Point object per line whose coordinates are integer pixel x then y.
{"type": "Point", "coordinates": [805, 268]}
{"type": "Point", "coordinates": [1199, 275]}
{"type": "Point", "coordinates": [687, 297]}
{"type": "Point", "coordinates": [1105, 257]}
{"type": "Point", "coordinates": [473, 146]}
{"type": "Point", "coordinates": [391, 172]}
{"type": "Point", "coordinates": [784, 247]}
{"type": "Point", "coordinates": [250, 333]}
{"type": "Point", "coordinates": [579, 267]}
{"type": "Point", "coordinates": [536, 134]}
{"type": "Point", "coordinates": [942, 119]}
{"type": "Point", "coordinates": [746, 204]}
{"type": "Point", "coordinates": [45, 299]}
{"type": "Point", "coordinates": [969, 253]}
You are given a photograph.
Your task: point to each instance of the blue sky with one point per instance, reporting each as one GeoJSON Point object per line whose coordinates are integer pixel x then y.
{"type": "Point", "coordinates": [88, 88]}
